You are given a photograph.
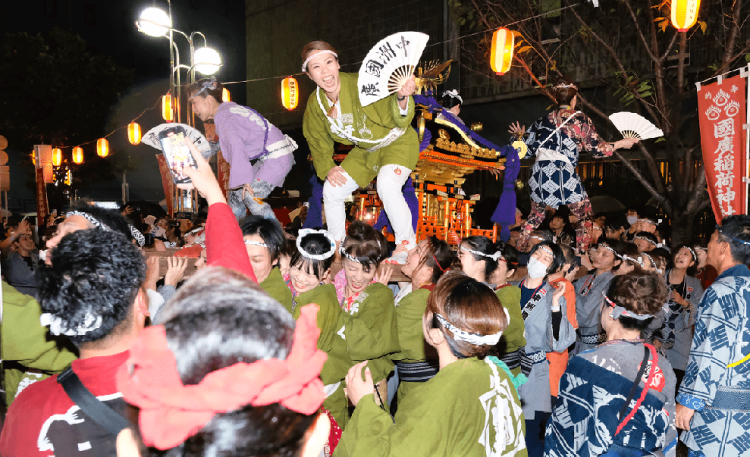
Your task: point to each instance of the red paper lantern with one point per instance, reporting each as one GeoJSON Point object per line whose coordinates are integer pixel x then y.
{"type": "Point", "coordinates": [78, 155]}
{"type": "Point", "coordinates": [102, 147]}
{"type": "Point", "coordinates": [56, 157]}
{"type": "Point", "coordinates": [134, 133]}
{"type": "Point", "coordinates": [166, 108]}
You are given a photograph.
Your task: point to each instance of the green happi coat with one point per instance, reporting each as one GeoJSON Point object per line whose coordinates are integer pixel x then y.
{"type": "Point", "coordinates": [330, 319]}
{"type": "Point", "coordinates": [372, 122]}
{"type": "Point", "coordinates": [514, 336]}
{"type": "Point", "coordinates": [276, 288]}
{"type": "Point", "coordinates": [409, 312]}
{"type": "Point", "coordinates": [470, 408]}
{"type": "Point", "coordinates": [29, 352]}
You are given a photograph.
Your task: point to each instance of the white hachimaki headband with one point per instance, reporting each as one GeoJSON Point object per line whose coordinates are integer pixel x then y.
{"type": "Point", "coordinates": [322, 51]}
{"type": "Point", "coordinates": [326, 255]}
{"type": "Point", "coordinates": [94, 221]}
{"type": "Point", "coordinates": [496, 256]}
{"type": "Point", "coordinates": [650, 259]}
{"type": "Point", "coordinates": [692, 252]}
{"type": "Point", "coordinates": [471, 338]}
{"type": "Point", "coordinates": [453, 93]}
{"type": "Point", "coordinates": [609, 248]}
{"type": "Point", "coordinates": [647, 240]}
{"type": "Point", "coordinates": [209, 84]}
{"type": "Point", "coordinates": [618, 311]}
{"type": "Point", "coordinates": [139, 238]}
{"type": "Point", "coordinates": [256, 243]}
{"type": "Point", "coordinates": [639, 260]}
{"type": "Point", "coordinates": [566, 86]}
{"type": "Point", "coordinates": [343, 252]}
{"type": "Point", "coordinates": [58, 327]}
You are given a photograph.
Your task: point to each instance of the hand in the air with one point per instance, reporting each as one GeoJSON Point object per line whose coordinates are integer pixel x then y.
{"type": "Point", "coordinates": [336, 176]}
{"type": "Point", "coordinates": [384, 274]}
{"type": "Point", "coordinates": [175, 270]}
{"type": "Point", "coordinates": [409, 88]}
{"type": "Point", "coordinates": [517, 129]}
{"type": "Point", "coordinates": [152, 273]}
{"type": "Point", "coordinates": [202, 178]}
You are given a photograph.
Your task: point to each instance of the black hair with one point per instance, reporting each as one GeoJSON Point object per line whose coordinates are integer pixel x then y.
{"type": "Point", "coordinates": [510, 254]}
{"type": "Point", "coordinates": [196, 87]}
{"type": "Point", "coordinates": [450, 101]}
{"type": "Point", "coordinates": [219, 318]}
{"type": "Point", "coordinates": [649, 236]}
{"type": "Point", "coordinates": [269, 230]}
{"type": "Point", "coordinates": [365, 244]}
{"type": "Point", "coordinates": [109, 217]}
{"type": "Point", "coordinates": [485, 246]}
{"type": "Point", "coordinates": [564, 95]}
{"type": "Point", "coordinates": [558, 259]}
{"type": "Point", "coordinates": [735, 230]}
{"type": "Point", "coordinates": [563, 213]}
{"type": "Point", "coordinates": [94, 273]}
{"type": "Point", "coordinates": [315, 244]}
{"type": "Point", "coordinates": [439, 257]}
{"type": "Point", "coordinates": [693, 256]}
{"type": "Point", "coordinates": [569, 256]}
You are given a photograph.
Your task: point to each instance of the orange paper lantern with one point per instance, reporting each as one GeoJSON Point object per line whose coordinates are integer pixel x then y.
{"type": "Point", "coordinates": [685, 14]}
{"type": "Point", "coordinates": [78, 155]}
{"type": "Point", "coordinates": [102, 147]}
{"type": "Point", "coordinates": [166, 108]}
{"type": "Point", "coordinates": [502, 50]}
{"type": "Point", "coordinates": [134, 133]}
{"type": "Point", "coordinates": [289, 93]}
{"type": "Point", "coordinates": [225, 95]}
{"type": "Point", "coordinates": [56, 157]}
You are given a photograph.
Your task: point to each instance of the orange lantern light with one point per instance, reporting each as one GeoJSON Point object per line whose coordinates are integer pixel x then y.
{"type": "Point", "coordinates": [102, 147]}
{"type": "Point", "coordinates": [225, 95]}
{"type": "Point", "coordinates": [685, 14]}
{"type": "Point", "coordinates": [56, 157]}
{"type": "Point", "coordinates": [502, 50]}
{"type": "Point", "coordinates": [78, 155]}
{"type": "Point", "coordinates": [166, 108]}
{"type": "Point", "coordinates": [289, 93]}
{"type": "Point", "coordinates": [134, 133]}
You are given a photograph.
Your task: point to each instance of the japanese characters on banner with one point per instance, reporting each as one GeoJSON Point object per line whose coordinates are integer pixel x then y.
{"type": "Point", "coordinates": [721, 113]}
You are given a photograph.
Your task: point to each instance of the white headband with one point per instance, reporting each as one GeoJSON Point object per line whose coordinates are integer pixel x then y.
{"type": "Point", "coordinates": [647, 240]}
{"type": "Point", "coordinates": [618, 311]}
{"type": "Point", "coordinates": [639, 260]}
{"type": "Point", "coordinates": [496, 256]}
{"type": "Point", "coordinates": [94, 221]}
{"type": "Point", "coordinates": [304, 232]}
{"type": "Point", "coordinates": [453, 94]}
{"type": "Point", "coordinates": [347, 255]}
{"type": "Point", "coordinates": [609, 248]}
{"type": "Point", "coordinates": [57, 327]}
{"type": "Point", "coordinates": [471, 338]}
{"type": "Point", "coordinates": [256, 243]}
{"type": "Point", "coordinates": [322, 51]}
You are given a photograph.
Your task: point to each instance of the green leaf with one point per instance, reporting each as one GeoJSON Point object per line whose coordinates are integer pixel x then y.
{"type": "Point", "coordinates": [747, 57]}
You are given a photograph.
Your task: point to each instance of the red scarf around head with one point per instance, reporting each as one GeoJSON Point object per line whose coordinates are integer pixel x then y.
{"type": "Point", "coordinates": [172, 412]}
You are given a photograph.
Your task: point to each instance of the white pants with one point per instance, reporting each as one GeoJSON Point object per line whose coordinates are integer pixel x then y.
{"type": "Point", "coordinates": [391, 179]}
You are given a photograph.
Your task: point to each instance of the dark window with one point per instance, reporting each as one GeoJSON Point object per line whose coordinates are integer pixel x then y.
{"type": "Point", "coordinates": [89, 14]}
{"type": "Point", "coordinates": [195, 4]}
{"type": "Point", "coordinates": [50, 8]}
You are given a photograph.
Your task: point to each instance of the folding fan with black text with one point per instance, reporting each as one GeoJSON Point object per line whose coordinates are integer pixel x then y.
{"type": "Point", "coordinates": [389, 64]}
{"type": "Point", "coordinates": [633, 125]}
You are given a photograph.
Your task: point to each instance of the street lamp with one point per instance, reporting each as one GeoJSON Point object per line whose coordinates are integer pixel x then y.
{"type": "Point", "coordinates": [158, 23]}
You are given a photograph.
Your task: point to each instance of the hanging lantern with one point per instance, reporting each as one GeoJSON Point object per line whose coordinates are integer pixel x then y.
{"type": "Point", "coordinates": [78, 155]}
{"type": "Point", "coordinates": [166, 108]}
{"type": "Point", "coordinates": [102, 147]}
{"type": "Point", "coordinates": [134, 133]}
{"type": "Point", "coordinates": [289, 93]}
{"type": "Point", "coordinates": [685, 14]}
{"type": "Point", "coordinates": [502, 50]}
{"type": "Point", "coordinates": [56, 157]}
{"type": "Point", "coordinates": [225, 95]}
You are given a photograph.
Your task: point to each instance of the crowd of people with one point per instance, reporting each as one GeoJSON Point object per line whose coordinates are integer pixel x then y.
{"type": "Point", "coordinates": [603, 339]}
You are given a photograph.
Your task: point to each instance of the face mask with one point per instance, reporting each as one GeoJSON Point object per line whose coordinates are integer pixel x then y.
{"type": "Point", "coordinates": [536, 269]}
{"type": "Point", "coordinates": [159, 232]}
{"type": "Point", "coordinates": [632, 219]}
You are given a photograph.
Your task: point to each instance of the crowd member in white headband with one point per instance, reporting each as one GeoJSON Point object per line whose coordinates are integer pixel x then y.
{"type": "Point", "coordinates": [462, 322]}
{"type": "Point", "coordinates": [630, 260]}
{"type": "Point", "coordinates": [452, 102]}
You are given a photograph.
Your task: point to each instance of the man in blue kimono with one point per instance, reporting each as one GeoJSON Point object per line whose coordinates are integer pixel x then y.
{"type": "Point", "coordinates": [714, 398]}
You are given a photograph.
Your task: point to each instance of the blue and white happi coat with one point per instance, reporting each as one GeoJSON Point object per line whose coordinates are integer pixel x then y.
{"type": "Point", "coordinates": [720, 395]}
{"type": "Point", "coordinates": [555, 182]}
{"type": "Point", "coordinates": [593, 390]}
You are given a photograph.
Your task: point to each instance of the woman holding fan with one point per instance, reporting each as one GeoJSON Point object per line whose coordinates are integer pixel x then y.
{"type": "Point", "coordinates": [557, 140]}
{"type": "Point", "coordinates": [384, 144]}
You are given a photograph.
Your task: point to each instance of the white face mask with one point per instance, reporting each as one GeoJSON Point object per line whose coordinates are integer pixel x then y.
{"type": "Point", "coordinates": [632, 219]}
{"type": "Point", "coordinates": [536, 269]}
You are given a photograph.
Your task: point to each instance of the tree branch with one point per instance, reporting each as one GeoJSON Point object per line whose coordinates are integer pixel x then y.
{"type": "Point", "coordinates": [640, 32]}
{"type": "Point", "coordinates": [655, 193]}
{"type": "Point", "coordinates": [698, 189]}
{"type": "Point", "coordinates": [734, 31]}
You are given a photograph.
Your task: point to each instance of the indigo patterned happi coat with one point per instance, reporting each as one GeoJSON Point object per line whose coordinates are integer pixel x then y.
{"type": "Point", "coordinates": [555, 182]}
{"type": "Point", "coordinates": [721, 423]}
{"type": "Point", "coordinates": [592, 392]}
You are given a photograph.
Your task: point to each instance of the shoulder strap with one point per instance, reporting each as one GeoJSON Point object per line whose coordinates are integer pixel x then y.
{"type": "Point", "coordinates": [100, 413]}
{"type": "Point", "coordinates": [557, 129]}
{"type": "Point", "coordinates": [633, 389]}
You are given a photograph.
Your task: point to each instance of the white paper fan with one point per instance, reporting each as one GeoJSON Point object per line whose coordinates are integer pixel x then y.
{"type": "Point", "coordinates": [151, 138]}
{"type": "Point", "coordinates": [633, 125]}
{"type": "Point", "coordinates": [389, 64]}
